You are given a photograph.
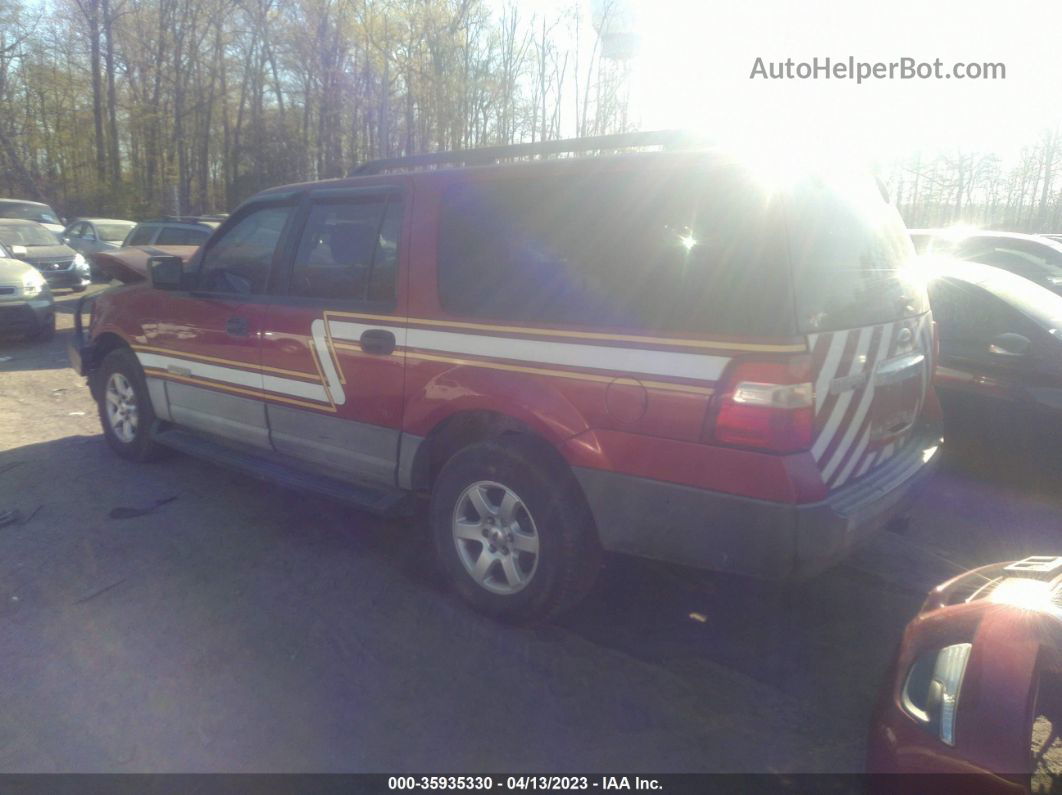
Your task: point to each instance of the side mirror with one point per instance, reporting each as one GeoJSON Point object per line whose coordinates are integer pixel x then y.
{"type": "Point", "coordinates": [19, 251]}
{"type": "Point", "coordinates": [166, 273]}
{"type": "Point", "coordinates": [1010, 344]}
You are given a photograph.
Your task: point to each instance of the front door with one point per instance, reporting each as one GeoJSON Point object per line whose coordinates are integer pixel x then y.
{"type": "Point", "coordinates": [333, 347]}
{"type": "Point", "coordinates": [205, 346]}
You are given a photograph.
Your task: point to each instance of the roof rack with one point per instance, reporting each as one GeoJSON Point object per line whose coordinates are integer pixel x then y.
{"type": "Point", "coordinates": [668, 139]}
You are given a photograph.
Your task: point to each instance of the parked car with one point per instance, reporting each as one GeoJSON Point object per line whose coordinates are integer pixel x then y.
{"type": "Point", "coordinates": [26, 304]}
{"type": "Point", "coordinates": [60, 265]}
{"type": "Point", "coordinates": [1034, 257]}
{"type": "Point", "coordinates": [1000, 366]}
{"type": "Point", "coordinates": [32, 211]}
{"type": "Point", "coordinates": [976, 686]}
{"type": "Point", "coordinates": [171, 231]}
{"type": "Point", "coordinates": [634, 353]}
{"type": "Point", "coordinates": [89, 236]}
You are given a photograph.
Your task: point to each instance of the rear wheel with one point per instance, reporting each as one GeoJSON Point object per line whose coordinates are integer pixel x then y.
{"type": "Point", "coordinates": [125, 407]}
{"type": "Point", "coordinates": [512, 532]}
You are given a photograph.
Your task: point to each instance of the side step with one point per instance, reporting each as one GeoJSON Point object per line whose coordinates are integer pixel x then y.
{"type": "Point", "coordinates": [380, 501]}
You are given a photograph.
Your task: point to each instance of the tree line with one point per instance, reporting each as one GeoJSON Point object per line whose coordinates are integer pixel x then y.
{"type": "Point", "coordinates": [979, 189]}
{"type": "Point", "coordinates": [131, 108]}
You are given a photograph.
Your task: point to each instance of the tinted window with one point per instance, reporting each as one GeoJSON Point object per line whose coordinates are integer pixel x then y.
{"type": "Point", "coordinates": [1027, 258]}
{"type": "Point", "coordinates": [348, 251]}
{"type": "Point", "coordinates": [181, 236]}
{"type": "Point", "coordinates": [239, 261]}
{"type": "Point", "coordinates": [649, 251]}
{"type": "Point", "coordinates": [141, 236]}
{"type": "Point", "coordinates": [965, 312]}
{"type": "Point", "coordinates": [850, 252]}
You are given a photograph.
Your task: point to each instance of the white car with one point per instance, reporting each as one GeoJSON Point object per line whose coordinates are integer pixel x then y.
{"type": "Point", "coordinates": [25, 210]}
{"type": "Point", "coordinates": [26, 304]}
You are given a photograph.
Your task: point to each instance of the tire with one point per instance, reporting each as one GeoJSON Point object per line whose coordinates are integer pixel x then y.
{"type": "Point", "coordinates": [46, 333]}
{"type": "Point", "coordinates": [128, 427]}
{"type": "Point", "coordinates": [528, 504]}
{"type": "Point", "coordinates": [79, 289]}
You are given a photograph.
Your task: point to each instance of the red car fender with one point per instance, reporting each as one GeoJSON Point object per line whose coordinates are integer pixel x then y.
{"type": "Point", "coordinates": [528, 399]}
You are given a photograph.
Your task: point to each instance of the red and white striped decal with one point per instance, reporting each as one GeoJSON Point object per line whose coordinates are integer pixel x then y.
{"type": "Point", "coordinates": [844, 366]}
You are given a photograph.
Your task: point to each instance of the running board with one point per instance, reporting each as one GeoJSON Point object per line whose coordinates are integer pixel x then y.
{"type": "Point", "coordinates": [380, 501]}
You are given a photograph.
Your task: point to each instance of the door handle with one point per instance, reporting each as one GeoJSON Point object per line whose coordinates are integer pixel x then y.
{"type": "Point", "coordinates": [236, 326]}
{"type": "Point", "coordinates": [378, 341]}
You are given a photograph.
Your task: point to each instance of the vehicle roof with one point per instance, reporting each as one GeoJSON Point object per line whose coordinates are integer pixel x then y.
{"type": "Point", "coordinates": [17, 222]}
{"type": "Point", "coordinates": [958, 237]}
{"type": "Point", "coordinates": [556, 165]}
{"type": "Point", "coordinates": [101, 221]}
{"type": "Point", "coordinates": [23, 201]}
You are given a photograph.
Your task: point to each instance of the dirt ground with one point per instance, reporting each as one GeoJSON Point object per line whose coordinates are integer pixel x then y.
{"type": "Point", "coordinates": [242, 627]}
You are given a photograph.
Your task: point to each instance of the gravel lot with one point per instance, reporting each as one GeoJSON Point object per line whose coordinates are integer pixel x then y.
{"type": "Point", "coordinates": [241, 627]}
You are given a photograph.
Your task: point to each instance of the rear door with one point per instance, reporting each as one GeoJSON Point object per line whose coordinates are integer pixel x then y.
{"type": "Point", "coordinates": [867, 322]}
{"type": "Point", "coordinates": [333, 350]}
{"type": "Point", "coordinates": [205, 346]}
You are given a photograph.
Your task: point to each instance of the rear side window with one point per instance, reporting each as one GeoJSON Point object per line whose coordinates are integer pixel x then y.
{"type": "Point", "coordinates": [182, 236]}
{"type": "Point", "coordinates": [640, 250]}
{"type": "Point", "coordinates": [850, 254]}
{"type": "Point", "coordinates": [141, 236]}
{"type": "Point", "coordinates": [348, 251]}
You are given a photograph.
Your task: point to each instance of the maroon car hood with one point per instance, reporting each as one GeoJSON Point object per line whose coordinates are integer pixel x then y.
{"type": "Point", "coordinates": [130, 264]}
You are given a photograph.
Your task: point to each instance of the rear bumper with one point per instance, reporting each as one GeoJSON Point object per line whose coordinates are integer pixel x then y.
{"type": "Point", "coordinates": [724, 532]}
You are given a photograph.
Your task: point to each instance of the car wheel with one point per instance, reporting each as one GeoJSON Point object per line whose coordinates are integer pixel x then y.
{"type": "Point", "coordinates": [513, 532]}
{"type": "Point", "coordinates": [46, 332]}
{"type": "Point", "coordinates": [79, 288]}
{"type": "Point", "coordinates": [125, 407]}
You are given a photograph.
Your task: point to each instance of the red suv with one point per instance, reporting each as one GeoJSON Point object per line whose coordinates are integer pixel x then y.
{"type": "Point", "coordinates": [654, 353]}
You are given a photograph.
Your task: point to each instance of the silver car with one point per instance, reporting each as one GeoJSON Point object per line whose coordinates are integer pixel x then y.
{"type": "Point", "coordinates": [26, 304]}
{"type": "Point", "coordinates": [89, 236]}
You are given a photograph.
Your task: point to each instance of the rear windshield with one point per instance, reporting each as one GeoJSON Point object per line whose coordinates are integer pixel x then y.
{"type": "Point", "coordinates": [113, 232]}
{"type": "Point", "coordinates": [851, 255]}
{"type": "Point", "coordinates": [42, 214]}
{"type": "Point", "coordinates": [647, 250]}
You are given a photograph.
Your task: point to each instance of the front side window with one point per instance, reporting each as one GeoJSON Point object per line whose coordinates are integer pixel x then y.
{"type": "Point", "coordinates": [639, 250]}
{"type": "Point", "coordinates": [240, 260]}
{"type": "Point", "coordinates": [348, 251]}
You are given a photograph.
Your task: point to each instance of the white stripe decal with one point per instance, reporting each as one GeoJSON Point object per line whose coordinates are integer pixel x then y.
{"type": "Point", "coordinates": [636, 361]}
{"type": "Point", "coordinates": [829, 367]}
{"type": "Point", "coordinates": [861, 409]}
{"type": "Point", "coordinates": [328, 368]}
{"type": "Point", "coordinates": [840, 406]}
{"type": "Point", "coordinates": [232, 375]}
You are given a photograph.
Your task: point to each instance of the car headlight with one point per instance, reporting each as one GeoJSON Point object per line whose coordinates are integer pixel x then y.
{"type": "Point", "coordinates": [931, 691]}
{"type": "Point", "coordinates": [32, 284]}
{"type": "Point", "coordinates": [80, 262]}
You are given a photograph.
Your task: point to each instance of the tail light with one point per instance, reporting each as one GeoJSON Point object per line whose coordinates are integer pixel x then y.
{"type": "Point", "coordinates": [765, 405]}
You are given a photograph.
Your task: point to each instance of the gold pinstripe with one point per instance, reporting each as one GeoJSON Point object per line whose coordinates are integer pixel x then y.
{"type": "Point", "coordinates": [153, 371]}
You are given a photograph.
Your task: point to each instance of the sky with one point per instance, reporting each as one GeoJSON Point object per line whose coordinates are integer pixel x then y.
{"type": "Point", "coordinates": [693, 66]}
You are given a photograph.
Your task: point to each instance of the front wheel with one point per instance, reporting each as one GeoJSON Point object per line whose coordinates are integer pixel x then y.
{"type": "Point", "coordinates": [125, 407]}
{"type": "Point", "coordinates": [513, 532]}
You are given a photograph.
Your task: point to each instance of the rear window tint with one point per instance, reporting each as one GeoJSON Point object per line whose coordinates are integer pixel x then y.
{"type": "Point", "coordinates": [850, 254]}
{"type": "Point", "coordinates": [182, 236]}
{"type": "Point", "coordinates": [643, 250]}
